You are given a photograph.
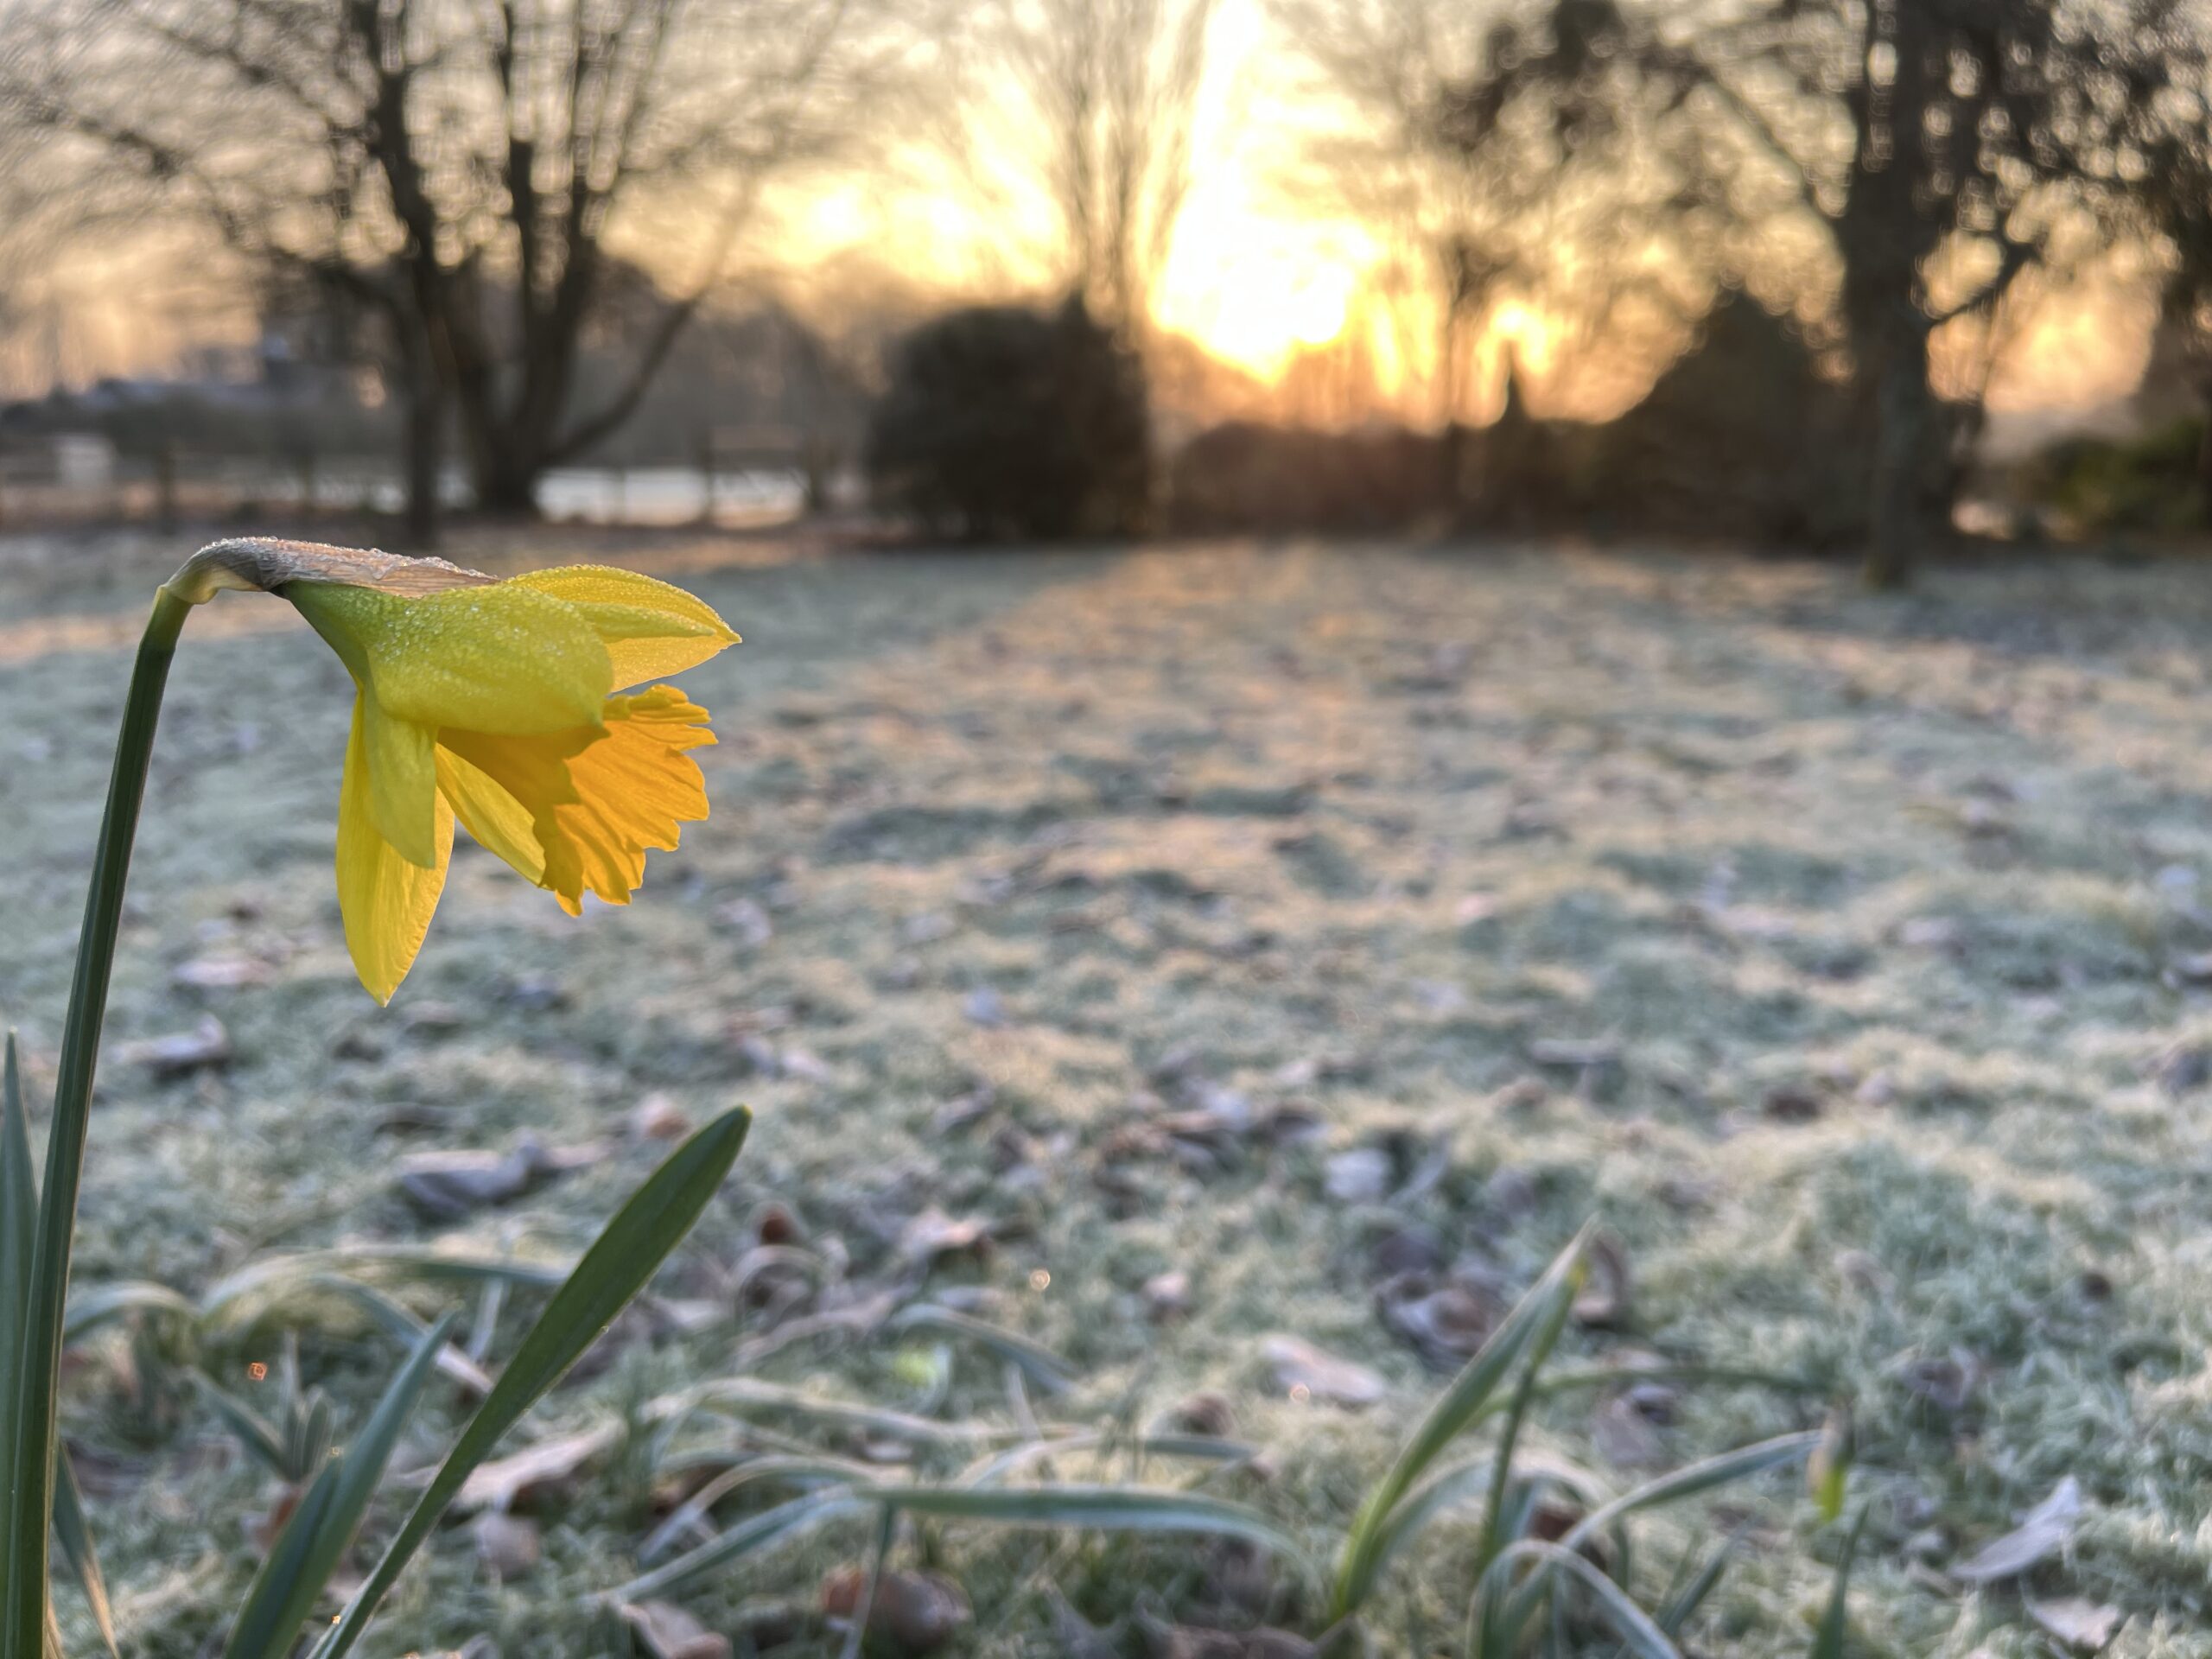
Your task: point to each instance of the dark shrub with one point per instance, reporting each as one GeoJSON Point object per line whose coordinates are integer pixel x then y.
{"type": "Point", "coordinates": [1742, 437]}
{"type": "Point", "coordinates": [1244, 476]}
{"type": "Point", "coordinates": [2151, 481]}
{"type": "Point", "coordinates": [1003, 422]}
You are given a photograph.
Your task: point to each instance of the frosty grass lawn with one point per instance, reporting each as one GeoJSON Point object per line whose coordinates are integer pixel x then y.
{"type": "Point", "coordinates": [1851, 959]}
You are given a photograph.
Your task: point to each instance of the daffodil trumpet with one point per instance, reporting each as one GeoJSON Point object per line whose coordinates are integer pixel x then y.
{"type": "Point", "coordinates": [492, 702]}
{"type": "Point", "coordinates": [499, 703]}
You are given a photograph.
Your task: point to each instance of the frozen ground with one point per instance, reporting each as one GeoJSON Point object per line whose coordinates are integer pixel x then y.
{"type": "Point", "coordinates": [1850, 959]}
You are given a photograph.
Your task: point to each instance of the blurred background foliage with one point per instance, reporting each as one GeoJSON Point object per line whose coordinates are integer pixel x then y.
{"type": "Point", "coordinates": [1817, 273]}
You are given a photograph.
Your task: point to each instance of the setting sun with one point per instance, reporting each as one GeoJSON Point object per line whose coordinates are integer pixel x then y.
{"type": "Point", "coordinates": [1528, 333]}
{"type": "Point", "coordinates": [1259, 316]}
{"type": "Point", "coordinates": [1257, 293]}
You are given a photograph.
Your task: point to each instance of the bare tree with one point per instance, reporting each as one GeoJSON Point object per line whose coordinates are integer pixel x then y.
{"type": "Point", "coordinates": [466, 171]}
{"type": "Point", "coordinates": [2174, 199]}
{"type": "Point", "coordinates": [1541, 156]}
{"type": "Point", "coordinates": [1976, 136]}
{"type": "Point", "coordinates": [1940, 146]}
{"type": "Point", "coordinates": [1100, 98]}
{"type": "Point", "coordinates": [1381, 67]}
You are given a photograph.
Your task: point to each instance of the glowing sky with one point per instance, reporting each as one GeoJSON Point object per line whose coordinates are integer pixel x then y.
{"type": "Point", "coordinates": [1254, 275]}
{"type": "Point", "coordinates": [1255, 280]}
{"type": "Point", "coordinates": [1247, 276]}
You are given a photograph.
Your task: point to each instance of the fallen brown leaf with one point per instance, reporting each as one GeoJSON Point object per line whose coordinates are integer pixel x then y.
{"type": "Point", "coordinates": [668, 1632]}
{"type": "Point", "coordinates": [451, 1186]}
{"type": "Point", "coordinates": [206, 1047]}
{"type": "Point", "coordinates": [2042, 1532]}
{"type": "Point", "coordinates": [1167, 1295]}
{"type": "Point", "coordinates": [657, 1117]}
{"type": "Point", "coordinates": [508, 1546]}
{"type": "Point", "coordinates": [2078, 1623]}
{"type": "Point", "coordinates": [1573, 1054]}
{"type": "Point", "coordinates": [1792, 1103]}
{"type": "Point", "coordinates": [506, 1482]}
{"type": "Point", "coordinates": [1624, 1436]}
{"type": "Point", "coordinates": [915, 1613]}
{"type": "Point", "coordinates": [1445, 1322]}
{"type": "Point", "coordinates": [1362, 1175]}
{"type": "Point", "coordinates": [220, 973]}
{"type": "Point", "coordinates": [1305, 1372]}
{"type": "Point", "coordinates": [1192, 1642]}
{"type": "Point", "coordinates": [1605, 1298]}
{"type": "Point", "coordinates": [1204, 1413]}
{"type": "Point", "coordinates": [933, 1236]}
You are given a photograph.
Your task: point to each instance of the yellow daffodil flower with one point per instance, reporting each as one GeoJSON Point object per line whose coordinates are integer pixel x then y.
{"type": "Point", "coordinates": [493, 703]}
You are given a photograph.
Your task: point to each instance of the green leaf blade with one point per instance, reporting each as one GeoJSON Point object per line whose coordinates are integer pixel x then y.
{"type": "Point", "coordinates": [1829, 1636]}
{"type": "Point", "coordinates": [268, 1625]}
{"type": "Point", "coordinates": [1038, 1363]}
{"type": "Point", "coordinates": [1105, 1509]}
{"type": "Point", "coordinates": [18, 1247]}
{"type": "Point", "coordinates": [618, 1265]}
{"type": "Point", "coordinates": [103, 1305]}
{"type": "Point", "coordinates": [73, 1533]}
{"type": "Point", "coordinates": [30, 1385]}
{"type": "Point", "coordinates": [1460, 1406]}
{"type": "Point", "coordinates": [1704, 1476]}
{"type": "Point", "coordinates": [1638, 1633]}
{"type": "Point", "coordinates": [254, 1432]}
{"type": "Point", "coordinates": [793, 1518]}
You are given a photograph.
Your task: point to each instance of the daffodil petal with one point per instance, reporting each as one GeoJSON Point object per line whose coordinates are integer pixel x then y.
{"type": "Point", "coordinates": [503, 658]}
{"type": "Point", "coordinates": [403, 781]}
{"type": "Point", "coordinates": [533, 773]}
{"type": "Point", "coordinates": [649, 628]}
{"type": "Point", "coordinates": [497, 821]}
{"type": "Point", "coordinates": [386, 900]}
{"type": "Point", "coordinates": [636, 786]}
{"type": "Point", "coordinates": [597, 809]}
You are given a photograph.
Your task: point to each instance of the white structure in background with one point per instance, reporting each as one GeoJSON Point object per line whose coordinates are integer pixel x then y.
{"type": "Point", "coordinates": [82, 461]}
{"type": "Point", "coordinates": [69, 460]}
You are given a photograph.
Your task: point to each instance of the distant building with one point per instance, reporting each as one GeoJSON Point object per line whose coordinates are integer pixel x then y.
{"type": "Point", "coordinates": [82, 461]}
{"type": "Point", "coordinates": [72, 460]}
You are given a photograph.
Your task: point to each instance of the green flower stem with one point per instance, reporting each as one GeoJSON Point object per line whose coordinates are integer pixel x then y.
{"type": "Point", "coordinates": [28, 1420]}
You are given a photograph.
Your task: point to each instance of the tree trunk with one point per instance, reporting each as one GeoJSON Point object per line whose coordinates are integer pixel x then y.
{"type": "Point", "coordinates": [425, 445]}
{"type": "Point", "coordinates": [506, 448]}
{"type": "Point", "coordinates": [2204, 453]}
{"type": "Point", "coordinates": [818, 457]}
{"type": "Point", "coordinates": [1903, 408]}
{"type": "Point", "coordinates": [504, 436]}
{"type": "Point", "coordinates": [165, 513]}
{"type": "Point", "coordinates": [507, 485]}
{"type": "Point", "coordinates": [1452, 492]}
{"type": "Point", "coordinates": [1883, 233]}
